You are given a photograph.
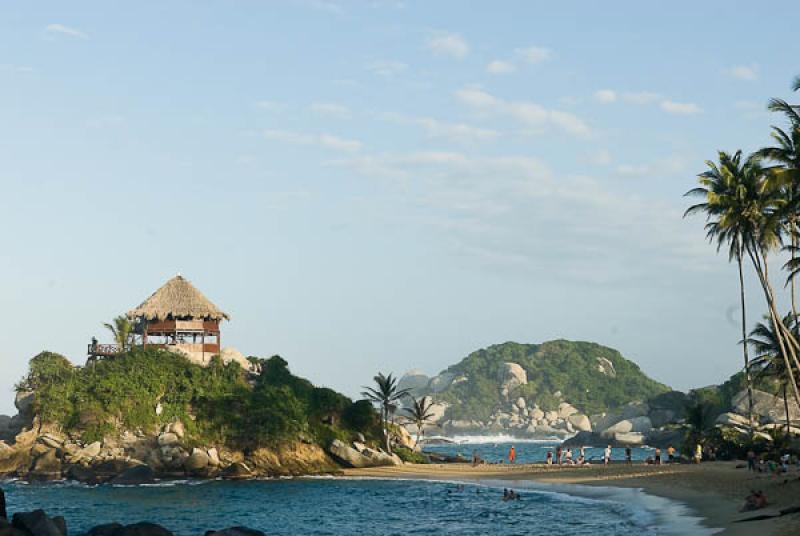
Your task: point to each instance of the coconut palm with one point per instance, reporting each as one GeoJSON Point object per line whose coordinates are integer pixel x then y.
{"type": "Point", "coordinates": [727, 194]}
{"type": "Point", "coordinates": [122, 330]}
{"type": "Point", "coordinates": [420, 414]}
{"type": "Point", "coordinates": [768, 360]}
{"type": "Point", "coordinates": [386, 395]}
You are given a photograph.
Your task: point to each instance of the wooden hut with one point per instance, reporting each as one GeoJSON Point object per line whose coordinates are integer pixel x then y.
{"type": "Point", "coordinates": [179, 317]}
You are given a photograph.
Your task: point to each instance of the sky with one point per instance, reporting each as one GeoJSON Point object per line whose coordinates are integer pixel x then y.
{"type": "Point", "coordinates": [380, 186]}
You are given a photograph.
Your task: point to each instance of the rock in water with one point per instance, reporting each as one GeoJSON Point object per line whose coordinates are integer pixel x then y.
{"type": "Point", "coordinates": [235, 531]}
{"type": "Point", "coordinates": [37, 523]}
{"type": "Point", "coordinates": [197, 461]}
{"type": "Point", "coordinates": [104, 530]}
{"type": "Point", "coordinates": [46, 467]}
{"type": "Point", "coordinates": [237, 471]}
{"type": "Point", "coordinates": [140, 474]}
{"type": "Point", "coordinates": [142, 529]}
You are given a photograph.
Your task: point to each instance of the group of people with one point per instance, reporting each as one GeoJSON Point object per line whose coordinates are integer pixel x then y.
{"type": "Point", "coordinates": [510, 495]}
{"type": "Point", "coordinates": [754, 501]}
{"type": "Point", "coordinates": [566, 457]}
{"type": "Point", "coordinates": [763, 465]}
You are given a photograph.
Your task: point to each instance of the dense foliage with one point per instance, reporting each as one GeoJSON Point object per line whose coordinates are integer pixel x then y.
{"type": "Point", "coordinates": [557, 370]}
{"type": "Point", "coordinates": [219, 402]}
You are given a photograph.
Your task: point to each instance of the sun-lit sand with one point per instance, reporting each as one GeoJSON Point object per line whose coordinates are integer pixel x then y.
{"type": "Point", "coordinates": [715, 491]}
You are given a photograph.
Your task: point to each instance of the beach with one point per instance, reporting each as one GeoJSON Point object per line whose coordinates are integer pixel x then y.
{"type": "Point", "coordinates": [713, 491]}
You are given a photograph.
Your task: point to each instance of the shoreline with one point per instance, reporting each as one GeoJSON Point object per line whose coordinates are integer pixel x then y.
{"type": "Point", "coordinates": [713, 492]}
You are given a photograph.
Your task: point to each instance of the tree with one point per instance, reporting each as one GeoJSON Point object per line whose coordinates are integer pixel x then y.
{"type": "Point", "coordinates": [122, 330]}
{"type": "Point", "coordinates": [420, 413]}
{"type": "Point", "coordinates": [728, 194]}
{"type": "Point", "coordinates": [386, 396]}
{"type": "Point", "coordinates": [768, 360]}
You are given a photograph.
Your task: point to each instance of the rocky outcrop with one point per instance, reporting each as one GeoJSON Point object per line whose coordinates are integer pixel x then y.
{"type": "Point", "coordinates": [511, 376]}
{"type": "Point", "coordinates": [367, 457]}
{"type": "Point", "coordinates": [767, 408]}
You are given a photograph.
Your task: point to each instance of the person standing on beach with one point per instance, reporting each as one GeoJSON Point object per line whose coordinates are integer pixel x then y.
{"type": "Point", "coordinates": [670, 454]}
{"type": "Point", "coordinates": [698, 453]}
{"type": "Point", "coordinates": [628, 455]}
{"type": "Point", "coordinates": [607, 455]}
{"type": "Point", "coordinates": [512, 454]}
{"type": "Point", "coordinates": [751, 460]}
{"type": "Point", "coordinates": [658, 456]}
{"type": "Point", "coordinates": [558, 455]}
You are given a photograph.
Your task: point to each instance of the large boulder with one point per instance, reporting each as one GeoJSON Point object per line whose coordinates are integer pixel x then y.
{"type": "Point", "coordinates": [197, 461]}
{"type": "Point", "coordinates": [662, 417]}
{"type": "Point", "coordinates": [168, 439]}
{"type": "Point", "coordinates": [106, 529]}
{"type": "Point", "coordinates": [629, 438]}
{"type": "Point", "coordinates": [441, 382]}
{"type": "Point", "coordinates": [23, 401]}
{"type": "Point", "coordinates": [232, 355]}
{"type": "Point", "coordinates": [637, 424]}
{"type": "Point", "coordinates": [238, 471]}
{"type": "Point", "coordinates": [606, 367]}
{"type": "Point", "coordinates": [135, 476]}
{"type": "Point", "coordinates": [415, 381]}
{"type": "Point", "coordinates": [565, 410]}
{"type": "Point", "coordinates": [142, 529]}
{"type": "Point", "coordinates": [347, 456]}
{"type": "Point", "coordinates": [511, 376]}
{"type": "Point", "coordinates": [580, 422]}
{"type": "Point", "coordinates": [635, 409]}
{"type": "Point", "coordinates": [46, 467]}
{"type": "Point", "coordinates": [732, 419]}
{"type": "Point", "coordinates": [88, 452]}
{"type": "Point", "coordinates": [37, 523]}
{"type": "Point", "coordinates": [235, 531]}
{"type": "Point", "coordinates": [766, 406]}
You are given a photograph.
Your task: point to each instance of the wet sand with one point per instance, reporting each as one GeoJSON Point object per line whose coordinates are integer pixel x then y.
{"type": "Point", "coordinates": [714, 491]}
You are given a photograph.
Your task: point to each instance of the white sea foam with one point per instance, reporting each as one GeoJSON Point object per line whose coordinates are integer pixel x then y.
{"type": "Point", "coordinates": [499, 438]}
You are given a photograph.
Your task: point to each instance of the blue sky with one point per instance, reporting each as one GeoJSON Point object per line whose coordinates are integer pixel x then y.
{"type": "Point", "coordinates": [379, 185]}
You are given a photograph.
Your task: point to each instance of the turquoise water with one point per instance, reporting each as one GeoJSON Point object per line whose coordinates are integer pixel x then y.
{"type": "Point", "coordinates": [528, 451]}
{"type": "Point", "coordinates": [333, 506]}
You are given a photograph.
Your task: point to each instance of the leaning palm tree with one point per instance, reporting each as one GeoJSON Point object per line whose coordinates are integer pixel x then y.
{"type": "Point", "coordinates": [386, 395]}
{"type": "Point", "coordinates": [768, 360]}
{"type": "Point", "coordinates": [726, 194]}
{"type": "Point", "coordinates": [420, 413]}
{"type": "Point", "coordinates": [122, 330]}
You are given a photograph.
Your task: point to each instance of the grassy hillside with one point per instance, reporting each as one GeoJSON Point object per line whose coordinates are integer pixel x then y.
{"type": "Point", "coordinates": [566, 367]}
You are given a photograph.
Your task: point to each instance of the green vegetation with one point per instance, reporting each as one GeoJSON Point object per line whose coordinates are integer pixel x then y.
{"type": "Point", "coordinates": [219, 403]}
{"type": "Point", "coordinates": [387, 397]}
{"type": "Point", "coordinates": [752, 206]}
{"type": "Point", "coordinates": [420, 413]}
{"type": "Point", "coordinates": [565, 367]}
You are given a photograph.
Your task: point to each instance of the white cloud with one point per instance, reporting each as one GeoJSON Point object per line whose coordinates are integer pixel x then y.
{"type": "Point", "coordinates": [680, 108]}
{"type": "Point", "coordinates": [534, 54]}
{"type": "Point", "coordinates": [331, 109]}
{"type": "Point", "coordinates": [744, 72]}
{"type": "Point", "coordinates": [454, 132]}
{"type": "Point", "coordinates": [323, 140]}
{"type": "Point", "coordinates": [269, 105]}
{"type": "Point", "coordinates": [448, 44]}
{"type": "Point", "coordinates": [59, 29]}
{"type": "Point", "coordinates": [669, 165]}
{"type": "Point", "coordinates": [641, 97]}
{"type": "Point", "coordinates": [530, 114]}
{"type": "Point", "coordinates": [500, 67]}
{"type": "Point", "coordinates": [605, 95]}
{"type": "Point", "coordinates": [601, 157]}
{"type": "Point", "coordinates": [386, 68]}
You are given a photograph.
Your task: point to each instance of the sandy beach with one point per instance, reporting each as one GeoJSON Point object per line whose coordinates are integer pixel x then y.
{"type": "Point", "coordinates": [713, 491]}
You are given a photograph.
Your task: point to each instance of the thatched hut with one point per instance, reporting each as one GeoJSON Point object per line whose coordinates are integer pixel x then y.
{"type": "Point", "coordinates": [179, 317]}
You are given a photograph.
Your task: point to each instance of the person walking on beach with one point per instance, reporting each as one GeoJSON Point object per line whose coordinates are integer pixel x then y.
{"type": "Point", "coordinates": [512, 454]}
{"type": "Point", "coordinates": [628, 455]}
{"type": "Point", "coordinates": [658, 456]}
{"type": "Point", "coordinates": [698, 453]}
{"type": "Point", "coordinates": [751, 460]}
{"type": "Point", "coordinates": [607, 455]}
{"type": "Point", "coordinates": [670, 454]}
{"type": "Point", "coordinates": [558, 455]}
{"type": "Point", "coordinates": [549, 459]}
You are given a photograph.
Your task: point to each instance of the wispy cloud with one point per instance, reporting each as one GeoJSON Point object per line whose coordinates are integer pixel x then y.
{"type": "Point", "coordinates": [605, 95]}
{"type": "Point", "coordinates": [534, 54]}
{"type": "Point", "coordinates": [744, 72]}
{"type": "Point", "coordinates": [323, 140]}
{"type": "Point", "coordinates": [330, 109]}
{"type": "Point", "coordinates": [528, 113]}
{"type": "Point", "coordinates": [500, 67]}
{"type": "Point", "coordinates": [53, 30]}
{"type": "Point", "coordinates": [608, 96]}
{"type": "Point", "coordinates": [269, 105]}
{"type": "Point", "coordinates": [680, 108]}
{"type": "Point", "coordinates": [454, 132]}
{"type": "Point", "coordinates": [386, 68]}
{"type": "Point", "coordinates": [448, 44]}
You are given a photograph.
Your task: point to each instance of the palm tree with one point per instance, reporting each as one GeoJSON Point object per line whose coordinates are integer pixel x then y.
{"type": "Point", "coordinates": [122, 330]}
{"type": "Point", "coordinates": [420, 414]}
{"type": "Point", "coordinates": [768, 360]}
{"type": "Point", "coordinates": [386, 396]}
{"type": "Point", "coordinates": [727, 194]}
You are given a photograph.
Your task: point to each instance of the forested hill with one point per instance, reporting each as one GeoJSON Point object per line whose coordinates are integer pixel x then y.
{"type": "Point", "coordinates": [591, 377]}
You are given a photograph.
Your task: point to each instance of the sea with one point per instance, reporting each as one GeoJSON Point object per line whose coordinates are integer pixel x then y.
{"type": "Point", "coordinates": [337, 505]}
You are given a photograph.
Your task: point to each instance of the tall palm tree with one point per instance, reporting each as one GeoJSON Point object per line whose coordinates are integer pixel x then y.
{"type": "Point", "coordinates": [727, 194]}
{"type": "Point", "coordinates": [122, 330]}
{"type": "Point", "coordinates": [386, 395]}
{"type": "Point", "coordinates": [768, 360]}
{"type": "Point", "coordinates": [786, 176]}
{"type": "Point", "coordinates": [420, 414]}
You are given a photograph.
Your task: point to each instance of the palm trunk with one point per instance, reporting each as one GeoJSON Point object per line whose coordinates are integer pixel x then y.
{"type": "Point", "coordinates": [793, 231]}
{"type": "Point", "coordinates": [748, 378]}
{"type": "Point", "coordinates": [786, 409]}
{"type": "Point", "coordinates": [786, 340]}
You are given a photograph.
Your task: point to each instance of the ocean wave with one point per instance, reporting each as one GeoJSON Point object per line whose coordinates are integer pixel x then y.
{"type": "Point", "coordinates": [499, 438]}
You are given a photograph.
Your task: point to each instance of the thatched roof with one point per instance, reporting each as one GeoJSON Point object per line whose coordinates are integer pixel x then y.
{"type": "Point", "coordinates": [177, 298]}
